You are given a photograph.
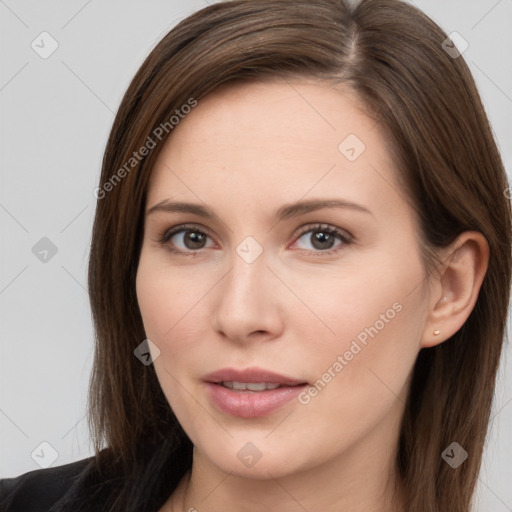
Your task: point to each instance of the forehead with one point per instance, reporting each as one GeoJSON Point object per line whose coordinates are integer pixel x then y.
{"type": "Point", "coordinates": [274, 141]}
{"type": "Point", "coordinates": [278, 114]}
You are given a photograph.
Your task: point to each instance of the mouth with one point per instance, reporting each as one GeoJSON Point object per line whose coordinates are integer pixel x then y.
{"type": "Point", "coordinates": [252, 392]}
{"type": "Point", "coordinates": [251, 378]}
{"type": "Point", "coordinates": [253, 386]}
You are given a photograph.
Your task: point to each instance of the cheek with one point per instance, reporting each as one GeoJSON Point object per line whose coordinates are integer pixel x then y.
{"type": "Point", "coordinates": [373, 298]}
{"type": "Point", "coordinates": [165, 302]}
{"type": "Point", "coordinates": [377, 317]}
{"type": "Point", "coordinates": [164, 296]}
{"type": "Point", "coordinates": [172, 305]}
{"type": "Point", "coordinates": [150, 300]}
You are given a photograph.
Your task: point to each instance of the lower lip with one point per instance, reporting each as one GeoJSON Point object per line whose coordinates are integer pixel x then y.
{"type": "Point", "coordinates": [251, 404]}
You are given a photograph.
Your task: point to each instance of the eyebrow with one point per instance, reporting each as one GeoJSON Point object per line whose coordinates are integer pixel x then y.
{"type": "Point", "coordinates": [286, 211]}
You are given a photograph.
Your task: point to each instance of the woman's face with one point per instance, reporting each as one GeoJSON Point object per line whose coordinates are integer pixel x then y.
{"type": "Point", "coordinates": [333, 299]}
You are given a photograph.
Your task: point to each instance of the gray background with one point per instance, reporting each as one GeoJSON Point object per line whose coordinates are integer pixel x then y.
{"type": "Point", "coordinates": [56, 116]}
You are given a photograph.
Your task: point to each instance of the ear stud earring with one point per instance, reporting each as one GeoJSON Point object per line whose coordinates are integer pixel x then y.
{"type": "Point", "coordinates": [436, 332]}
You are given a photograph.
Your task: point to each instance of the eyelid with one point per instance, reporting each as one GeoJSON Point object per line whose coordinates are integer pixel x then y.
{"type": "Point", "coordinates": [168, 233]}
{"type": "Point", "coordinates": [346, 237]}
{"type": "Point", "coordinates": [323, 225]}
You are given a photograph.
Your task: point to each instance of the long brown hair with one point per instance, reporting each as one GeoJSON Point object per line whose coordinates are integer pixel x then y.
{"type": "Point", "coordinates": [426, 102]}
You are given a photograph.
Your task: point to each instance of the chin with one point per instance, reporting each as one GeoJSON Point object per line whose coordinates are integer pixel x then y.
{"type": "Point", "coordinates": [257, 460]}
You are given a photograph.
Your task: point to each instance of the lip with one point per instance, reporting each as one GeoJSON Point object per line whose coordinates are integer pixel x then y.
{"type": "Point", "coordinates": [251, 404]}
{"type": "Point", "coordinates": [251, 375]}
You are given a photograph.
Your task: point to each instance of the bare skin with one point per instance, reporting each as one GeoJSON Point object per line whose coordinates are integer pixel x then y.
{"type": "Point", "coordinates": [245, 151]}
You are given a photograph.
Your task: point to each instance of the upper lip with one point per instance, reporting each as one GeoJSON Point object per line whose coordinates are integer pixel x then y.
{"type": "Point", "coordinates": [251, 375]}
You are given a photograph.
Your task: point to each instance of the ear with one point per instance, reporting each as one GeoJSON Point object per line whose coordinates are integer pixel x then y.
{"type": "Point", "coordinates": [455, 288]}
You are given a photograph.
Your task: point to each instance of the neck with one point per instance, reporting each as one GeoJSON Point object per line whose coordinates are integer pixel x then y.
{"type": "Point", "coordinates": [362, 479]}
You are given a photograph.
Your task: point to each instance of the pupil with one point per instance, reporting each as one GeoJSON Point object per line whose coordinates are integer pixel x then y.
{"type": "Point", "coordinates": [322, 237]}
{"type": "Point", "coordinates": [195, 239]}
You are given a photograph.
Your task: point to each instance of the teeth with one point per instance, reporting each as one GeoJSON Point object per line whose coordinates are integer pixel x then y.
{"type": "Point", "coordinates": [251, 386]}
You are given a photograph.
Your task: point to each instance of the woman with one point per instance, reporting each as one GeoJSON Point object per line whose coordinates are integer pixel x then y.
{"type": "Point", "coordinates": [298, 286]}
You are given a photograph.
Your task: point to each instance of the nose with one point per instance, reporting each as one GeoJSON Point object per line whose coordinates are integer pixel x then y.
{"type": "Point", "coordinates": [247, 305]}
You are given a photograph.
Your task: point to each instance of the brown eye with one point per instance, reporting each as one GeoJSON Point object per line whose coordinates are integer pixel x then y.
{"type": "Point", "coordinates": [185, 239]}
{"type": "Point", "coordinates": [322, 238]}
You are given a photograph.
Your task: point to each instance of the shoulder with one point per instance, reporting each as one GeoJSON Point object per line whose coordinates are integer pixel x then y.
{"type": "Point", "coordinates": [39, 490]}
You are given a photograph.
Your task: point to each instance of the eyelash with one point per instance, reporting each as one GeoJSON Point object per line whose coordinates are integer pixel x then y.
{"type": "Point", "coordinates": [324, 228]}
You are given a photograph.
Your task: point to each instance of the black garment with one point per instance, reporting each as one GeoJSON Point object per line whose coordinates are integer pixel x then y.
{"type": "Point", "coordinates": [103, 483]}
{"type": "Point", "coordinates": [41, 490]}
